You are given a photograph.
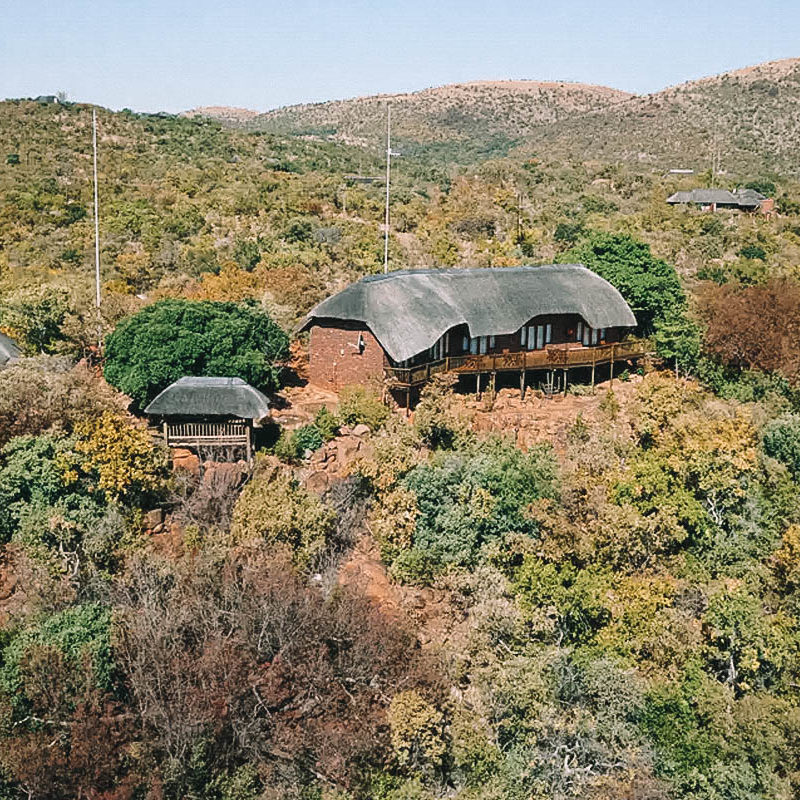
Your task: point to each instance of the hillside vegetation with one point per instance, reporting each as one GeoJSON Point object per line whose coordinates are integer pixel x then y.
{"type": "Point", "coordinates": [746, 120]}
{"type": "Point", "coordinates": [600, 600]}
{"type": "Point", "coordinates": [455, 113]}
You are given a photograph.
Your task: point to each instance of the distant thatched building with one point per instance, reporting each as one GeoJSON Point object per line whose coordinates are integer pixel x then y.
{"type": "Point", "coordinates": [9, 352]}
{"type": "Point", "coordinates": [713, 199]}
{"type": "Point", "coordinates": [408, 325]}
{"type": "Point", "coordinates": [208, 414]}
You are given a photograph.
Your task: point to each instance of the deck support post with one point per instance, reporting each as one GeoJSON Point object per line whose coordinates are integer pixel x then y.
{"type": "Point", "coordinates": [522, 384]}
{"type": "Point", "coordinates": [566, 373]}
{"type": "Point", "coordinates": [408, 400]}
{"type": "Point", "coordinates": [478, 386]}
{"type": "Point", "coordinates": [592, 374]}
{"type": "Point", "coordinates": [611, 367]}
{"type": "Point", "coordinates": [493, 382]}
{"type": "Point", "coordinates": [249, 446]}
{"type": "Point", "coordinates": [166, 434]}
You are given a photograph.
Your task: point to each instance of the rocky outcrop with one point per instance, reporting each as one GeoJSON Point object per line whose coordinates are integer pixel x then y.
{"type": "Point", "coordinates": [333, 460]}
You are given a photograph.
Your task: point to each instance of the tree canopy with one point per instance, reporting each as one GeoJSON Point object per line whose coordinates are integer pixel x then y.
{"type": "Point", "coordinates": [171, 339]}
{"type": "Point", "coordinates": [649, 285]}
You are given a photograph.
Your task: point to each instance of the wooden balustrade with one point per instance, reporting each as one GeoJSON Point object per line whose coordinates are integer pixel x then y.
{"type": "Point", "coordinates": [194, 434]}
{"type": "Point", "coordinates": [552, 357]}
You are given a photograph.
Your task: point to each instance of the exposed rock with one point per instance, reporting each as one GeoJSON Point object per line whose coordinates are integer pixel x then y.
{"type": "Point", "coordinates": [225, 473]}
{"type": "Point", "coordinates": [361, 430]}
{"type": "Point", "coordinates": [346, 448]}
{"type": "Point", "coordinates": [318, 482]}
{"type": "Point", "coordinates": [154, 518]}
{"type": "Point", "coordinates": [185, 459]}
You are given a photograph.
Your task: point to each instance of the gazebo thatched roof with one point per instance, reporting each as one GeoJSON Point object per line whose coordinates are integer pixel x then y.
{"type": "Point", "coordinates": [8, 350]}
{"type": "Point", "coordinates": [409, 310]}
{"type": "Point", "coordinates": [210, 397]}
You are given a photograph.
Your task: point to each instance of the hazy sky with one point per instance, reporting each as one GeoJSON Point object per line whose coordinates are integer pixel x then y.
{"type": "Point", "coordinates": [172, 55]}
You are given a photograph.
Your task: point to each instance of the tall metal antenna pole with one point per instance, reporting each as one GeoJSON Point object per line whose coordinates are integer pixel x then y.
{"type": "Point", "coordinates": [96, 233]}
{"type": "Point", "coordinates": [388, 174]}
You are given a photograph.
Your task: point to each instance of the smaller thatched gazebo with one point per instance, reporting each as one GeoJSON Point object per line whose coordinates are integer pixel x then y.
{"type": "Point", "coordinates": [9, 352]}
{"type": "Point", "coordinates": [209, 413]}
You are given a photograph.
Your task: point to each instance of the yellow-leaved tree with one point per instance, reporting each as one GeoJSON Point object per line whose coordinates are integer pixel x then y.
{"type": "Point", "coordinates": [118, 457]}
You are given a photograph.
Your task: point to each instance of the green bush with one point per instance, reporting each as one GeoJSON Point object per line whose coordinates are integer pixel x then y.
{"type": "Point", "coordinates": [327, 423]}
{"type": "Point", "coordinates": [359, 404]}
{"type": "Point", "coordinates": [308, 437]}
{"type": "Point", "coordinates": [174, 338]}
{"type": "Point", "coordinates": [467, 499]}
{"type": "Point", "coordinates": [78, 632]}
{"type": "Point", "coordinates": [781, 440]}
{"type": "Point", "coordinates": [274, 508]}
{"type": "Point", "coordinates": [575, 596]}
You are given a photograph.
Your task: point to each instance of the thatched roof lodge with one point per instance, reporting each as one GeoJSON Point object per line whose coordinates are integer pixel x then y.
{"type": "Point", "coordinates": [712, 199]}
{"type": "Point", "coordinates": [209, 412]}
{"type": "Point", "coordinates": [406, 325]}
{"type": "Point", "coordinates": [9, 351]}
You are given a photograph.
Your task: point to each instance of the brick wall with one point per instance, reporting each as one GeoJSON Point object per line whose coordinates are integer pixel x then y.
{"type": "Point", "coordinates": [335, 359]}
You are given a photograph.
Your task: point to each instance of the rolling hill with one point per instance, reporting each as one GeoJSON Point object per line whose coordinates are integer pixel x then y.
{"type": "Point", "coordinates": [748, 120]}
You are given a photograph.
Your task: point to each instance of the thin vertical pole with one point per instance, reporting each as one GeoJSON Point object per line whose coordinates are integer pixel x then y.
{"type": "Point", "coordinates": [96, 234]}
{"type": "Point", "coordinates": [388, 175]}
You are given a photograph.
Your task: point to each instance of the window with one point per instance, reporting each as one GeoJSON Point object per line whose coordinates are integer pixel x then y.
{"type": "Point", "coordinates": [537, 336]}
{"type": "Point", "coordinates": [579, 332]}
{"type": "Point", "coordinates": [491, 342]}
{"type": "Point", "coordinates": [523, 336]}
{"type": "Point", "coordinates": [477, 345]}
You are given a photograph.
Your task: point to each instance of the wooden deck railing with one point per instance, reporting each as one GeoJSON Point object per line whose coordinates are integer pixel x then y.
{"type": "Point", "coordinates": [195, 434]}
{"type": "Point", "coordinates": [552, 357]}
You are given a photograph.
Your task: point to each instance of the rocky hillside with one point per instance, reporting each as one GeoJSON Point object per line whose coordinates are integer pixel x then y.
{"type": "Point", "coordinates": [746, 120]}
{"type": "Point", "coordinates": [228, 114]}
{"type": "Point", "coordinates": [457, 112]}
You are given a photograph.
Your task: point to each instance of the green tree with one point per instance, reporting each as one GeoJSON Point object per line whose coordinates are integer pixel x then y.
{"type": "Point", "coordinates": [649, 285]}
{"type": "Point", "coordinates": [174, 338]}
{"type": "Point", "coordinates": [781, 440]}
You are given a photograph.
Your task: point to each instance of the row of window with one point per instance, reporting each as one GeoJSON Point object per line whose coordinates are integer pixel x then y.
{"type": "Point", "coordinates": [531, 337]}
{"type": "Point", "coordinates": [589, 336]}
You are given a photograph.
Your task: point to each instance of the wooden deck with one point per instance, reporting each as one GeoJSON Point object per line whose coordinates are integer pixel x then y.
{"type": "Point", "coordinates": [554, 357]}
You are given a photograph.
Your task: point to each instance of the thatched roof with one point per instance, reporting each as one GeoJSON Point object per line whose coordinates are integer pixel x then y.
{"type": "Point", "coordinates": [409, 310]}
{"type": "Point", "coordinates": [8, 350]}
{"type": "Point", "coordinates": [210, 397]}
{"type": "Point", "coordinates": [743, 198]}
{"type": "Point", "coordinates": [749, 198]}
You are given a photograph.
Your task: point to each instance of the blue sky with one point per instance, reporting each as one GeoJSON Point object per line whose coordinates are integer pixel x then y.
{"type": "Point", "coordinates": [172, 54]}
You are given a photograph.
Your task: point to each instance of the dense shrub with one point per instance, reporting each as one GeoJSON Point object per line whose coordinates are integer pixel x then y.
{"type": "Point", "coordinates": [174, 338]}
{"type": "Point", "coordinates": [360, 404]}
{"type": "Point", "coordinates": [44, 393]}
{"type": "Point", "coordinates": [755, 327]}
{"type": "Point", "coordinates": [781, 440]}
{"type": "Point", "coordinates": [465, 500]}
{"type": "Point", "coordinates": [649, 285]}
{"type": "Point", "coordinates": [275, 509]}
